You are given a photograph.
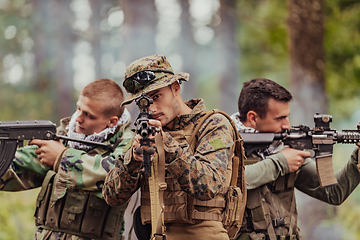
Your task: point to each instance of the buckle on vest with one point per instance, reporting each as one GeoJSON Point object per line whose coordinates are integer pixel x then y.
{"type": "Point", "coordinates": [159, 236]}
{"type": "Point", "coordinates": [163, 186]}
{"type": "Point", "coordinates": [278, 222]}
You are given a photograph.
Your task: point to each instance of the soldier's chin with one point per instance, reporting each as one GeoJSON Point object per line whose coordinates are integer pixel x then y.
{"type": "Point", "coordinates": [79, 130]}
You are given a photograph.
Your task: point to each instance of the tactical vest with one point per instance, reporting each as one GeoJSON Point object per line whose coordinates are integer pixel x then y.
{"type": "Point", "coordinates": [271, 209]}
{"type": "Point", "coordinates": [78, 213]}
{"type": "Point", "coordinates": [179, 207]}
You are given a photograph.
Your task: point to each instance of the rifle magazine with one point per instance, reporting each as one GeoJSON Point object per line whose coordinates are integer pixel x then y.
{"type": "Point", "coordinates": [325, 171]}
{"type": "Point", "coordinates": [7, 153]}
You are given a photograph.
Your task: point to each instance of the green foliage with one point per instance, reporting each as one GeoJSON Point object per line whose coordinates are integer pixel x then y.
{"type": "Point", "coordinates": [16, 215]}
{"type": "Point", "coordinates": [342, 48]}
{"type": "Point", "coordinates": [20, 104]}
{"type": "Point", "coordinates": [263, 40]}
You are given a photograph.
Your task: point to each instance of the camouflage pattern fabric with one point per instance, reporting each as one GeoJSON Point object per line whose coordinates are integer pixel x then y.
{"type": "Point", "coordinates": [78, 171]}
{"type": "Point", "coordinates": [162, 79]}
{"type": "Point", "coordinates": [201, 175]}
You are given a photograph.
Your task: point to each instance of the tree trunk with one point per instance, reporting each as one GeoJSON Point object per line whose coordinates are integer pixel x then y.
{"type": "Point", "coordinates": [306, 28]}
{"type": "Point", "coordinates": [307, 83]}
{"type": "Point", "coordinates": [187, 51]}
{"type": "Point", "coordinates": [96, 35]}
{"type": "Point", "coordinates": [228, 53]}
{"type": "Point", "coordinates": [140, 20]}
{"type": "Point", "coordinates": [53, 54]}
{"type": "Point", "coordinates": [64, 39]}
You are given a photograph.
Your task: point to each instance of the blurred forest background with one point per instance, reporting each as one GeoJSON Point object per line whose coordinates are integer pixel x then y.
{"type": "Point", "coordinates": [49, 50]}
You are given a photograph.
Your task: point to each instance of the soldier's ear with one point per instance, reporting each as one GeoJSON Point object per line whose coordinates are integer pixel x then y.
{"type": "Point", "coordinates": [175, 86]}
{"type": "Point", "coordinates": [113, 121]}
{"type": "Point", "coordinates": [251, 118]}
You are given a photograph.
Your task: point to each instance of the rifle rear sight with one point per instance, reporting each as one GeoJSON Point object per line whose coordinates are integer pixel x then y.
{"type": "Point", "coordinates": [322, 122]}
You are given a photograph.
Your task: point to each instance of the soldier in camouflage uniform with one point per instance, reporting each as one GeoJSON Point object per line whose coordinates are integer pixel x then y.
{"type": "Point", "coordinates": [273, 174]}
{"type": "Point", "coordinates": [70, 204]}
{"type": "Point", "coordinates": [193, 176]}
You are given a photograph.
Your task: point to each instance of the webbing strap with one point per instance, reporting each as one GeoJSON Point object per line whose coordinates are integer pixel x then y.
{"type": "Point", "coordinates": [270, 229]}
{"type": "Point", "coordinates": [44, 186]}
{"type": "Point", "coordinates": [154, 196]}
{"type": "Point", "coordinates": [292, 210]}
{"type": "Point", "coordinates": [199, 124]}
{"type": "Point", "coordinates": [206, 216]}
{"type": "Point", "coordinates": [158, 220]}
{"type": "Point", "coordinates": [210, 203]}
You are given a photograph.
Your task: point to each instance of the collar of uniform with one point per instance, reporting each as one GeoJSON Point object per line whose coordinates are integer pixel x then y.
{"type": "Point", "coordinates": [197, 106]}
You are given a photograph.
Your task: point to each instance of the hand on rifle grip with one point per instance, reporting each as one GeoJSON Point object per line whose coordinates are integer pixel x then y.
{"type": "Point", "coordinates": [139, 150]}
{"type": "Point", "coordinates": [151, 151]}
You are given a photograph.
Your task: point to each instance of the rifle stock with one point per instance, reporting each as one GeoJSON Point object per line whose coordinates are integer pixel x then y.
{"type": "Point", "coordinates": [318, 141]}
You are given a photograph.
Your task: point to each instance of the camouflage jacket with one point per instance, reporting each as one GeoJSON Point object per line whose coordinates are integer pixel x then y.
{"type": "Point", "coordinates": [77, 171]}
{"type": "Point", "coordinates": [201, 175]}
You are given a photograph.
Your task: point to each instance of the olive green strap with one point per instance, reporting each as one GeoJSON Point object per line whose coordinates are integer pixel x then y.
{"type": "Point", "coordinates": [48, 178]}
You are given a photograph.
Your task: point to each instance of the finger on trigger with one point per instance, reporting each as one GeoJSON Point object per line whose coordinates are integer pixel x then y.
{"type": "Point", "coordinates": [37, 142]}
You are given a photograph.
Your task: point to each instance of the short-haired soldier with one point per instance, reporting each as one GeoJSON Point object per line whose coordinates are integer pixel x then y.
{"type": "Point", "coordinates": [273, 174]}
{"type": "Point", "coordinates": [70, 204]}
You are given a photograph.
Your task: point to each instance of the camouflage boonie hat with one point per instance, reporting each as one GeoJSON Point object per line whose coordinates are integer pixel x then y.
{"type": "Point", "coordinates": [147, 74]}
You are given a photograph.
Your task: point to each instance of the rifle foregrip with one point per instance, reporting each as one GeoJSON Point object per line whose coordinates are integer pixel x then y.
{"type": "Point", "coordinates": [325, 170]}
{"type": "Point", "coordinates": [7, 153]}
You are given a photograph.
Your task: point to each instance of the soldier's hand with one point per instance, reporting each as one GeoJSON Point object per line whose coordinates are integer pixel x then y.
{"type": "Point", "coordinates": [48, 150]}
{"type": "Point", "coordinates": [295, 158]}
{"type": "Point", "coordinates": [136, 141]}
{"type": "Point", "coordinates": [135, 145]}
{"type": "Point", "coordinates": [156, 123]}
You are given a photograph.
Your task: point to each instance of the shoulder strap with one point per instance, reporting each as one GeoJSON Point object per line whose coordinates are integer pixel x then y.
{"type": "Point", "coordinates": [199, 123]}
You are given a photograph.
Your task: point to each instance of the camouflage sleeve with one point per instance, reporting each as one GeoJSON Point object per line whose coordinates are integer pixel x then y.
{"type": "Point", "coordinates": [87, 170]}
{"type": "Point", "coordinates": [266, 171]}
{"type": "Point", "coordinates": [25, 172]}
{"type": "Point", "coordinates": [202, 174]}
{"type": "Point", "coordinates": [348, 178]}
{"type": "Point", "coordinates": [123, 180]}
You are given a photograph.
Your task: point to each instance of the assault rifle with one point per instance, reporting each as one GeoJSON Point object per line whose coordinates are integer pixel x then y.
{"type": "Point", "coordinates": [318, 141]}
{"type": "Point", "coordinates": [145, 130]}
{"type": "Point", "coordinates": [13, 134]}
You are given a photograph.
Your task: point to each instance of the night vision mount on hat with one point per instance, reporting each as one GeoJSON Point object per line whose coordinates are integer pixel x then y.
{"type": "Point", "coordinates": [147, 74]}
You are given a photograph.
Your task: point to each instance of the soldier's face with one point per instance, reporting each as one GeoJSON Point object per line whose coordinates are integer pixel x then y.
{"type": "Point", "coordinates": [90, 118]}
{"type": "Point", "coordinates": [276, 119]}
{"type": "Point", "coordinates": [165, 106]}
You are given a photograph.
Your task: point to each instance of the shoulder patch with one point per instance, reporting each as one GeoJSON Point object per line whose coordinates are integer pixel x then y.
{"type": "Point", "coordinates": [217, 143]}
